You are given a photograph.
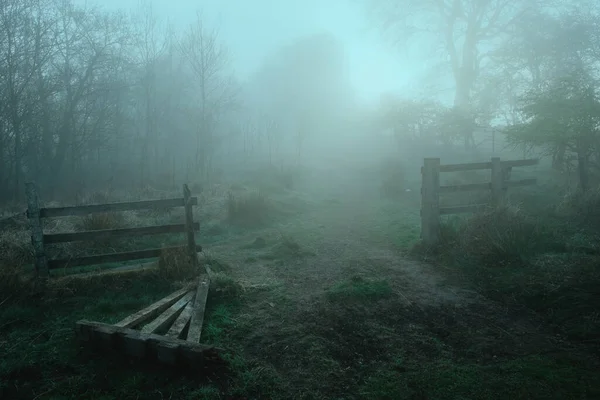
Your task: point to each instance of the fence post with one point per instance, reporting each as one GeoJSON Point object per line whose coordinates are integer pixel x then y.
{"type": "Point", "coordinates": [497, 182]}
{"type": "Point", "coordinates": [189, 225]}
{"type": "Point", "coordinates": [37, 234]}
{"type": "Point", "coordinates": [430, 201]}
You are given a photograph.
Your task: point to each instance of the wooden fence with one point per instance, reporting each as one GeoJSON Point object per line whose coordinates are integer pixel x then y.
{"type": "Point", "coordinates": [39, 239]}
{"type": "Point", "coordinates": [431, 190]}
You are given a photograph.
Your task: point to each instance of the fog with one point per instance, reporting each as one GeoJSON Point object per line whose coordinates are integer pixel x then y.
{"type": "Point", "coordinates": [300, 199]}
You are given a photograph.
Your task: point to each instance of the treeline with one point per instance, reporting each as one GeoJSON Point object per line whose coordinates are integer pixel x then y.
{"type": "Point", "coordinates": [530, 68]}
{"type": "Point", "coordinates": [90, 98]}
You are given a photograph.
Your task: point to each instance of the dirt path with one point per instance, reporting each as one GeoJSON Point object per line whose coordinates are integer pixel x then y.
{"type": "Point", "coordinates": [341, 238]}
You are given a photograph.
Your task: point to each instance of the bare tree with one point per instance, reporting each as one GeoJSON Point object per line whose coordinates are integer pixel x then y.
{"type": "Point", "coordinates": [216, 90]}
{"type": "Point", "coordinates": [465, 29]}
{"type": "Point", "coordinates": [150, 46]}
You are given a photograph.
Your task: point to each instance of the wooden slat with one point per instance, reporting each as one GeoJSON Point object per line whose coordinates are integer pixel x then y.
{"type": "Point", "coordinates": [113, 207]}
{"type": "Point", "coordinates": [181, 322]}
{"type": "Point", "coordinates": [111, 233]}
{"type": "Point", "coordinates": [195, 330]}
{"type": "Point", "coordinates": [147, 345]}
{"type": "Point", "coordinates": [465, 188]}
{"type": "Point", "coordinates": [463, 209]}
{"type": "Point", "coordinates": [465, 166]}
{"type": "Point", "coordinates": [522, 182]}
{"type": "Point", "coordinates": [521, 163]}
{"type": "Point", "coordinates": [152, 310]}
{"type": "Point", "coordinates": [486, 165]}
{"type": "Point", "coordinates": [168, 316]}
{"type": "Point", "coordinates": [113, 257]}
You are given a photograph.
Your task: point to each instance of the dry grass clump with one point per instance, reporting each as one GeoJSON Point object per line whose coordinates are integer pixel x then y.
{"type": "Point", "coordinates": [498, 236]}
{"type": "Point", "coordinates": [15, 254]}
{"type": "Point", "coordinates": [175, 264]}
{"type": "Point", "coordinates": [582, 207]}
{"type": "Point", "coordinates": [393, 175]}
{"type": "Point", "coordinates": [100, 221]}
{"type": "Point", "coordinates": [248, 209]}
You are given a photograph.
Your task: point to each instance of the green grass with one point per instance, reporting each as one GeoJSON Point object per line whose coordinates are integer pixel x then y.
{"type": "Point", "coordinates": [356, 339]}
{"type": "Point", "coordinates": [359, 288]}
{"type": "Point", "coordinates": [533, 377]}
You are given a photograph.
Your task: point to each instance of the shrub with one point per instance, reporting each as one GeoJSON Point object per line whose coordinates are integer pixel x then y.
{"type": "Point", "coordinates": [247, 209]}
{"type": "Point", "coordinates": [582, 207]}
{"type": "Point", "coordinates": [175, 264]}
{"type": "Point", "coordinates": [393, 178]}
{"type": "Point", "coordinates": [497, 236]}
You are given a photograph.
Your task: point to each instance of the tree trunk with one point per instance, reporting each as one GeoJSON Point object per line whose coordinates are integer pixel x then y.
{"type": "Point", "coordinates": [582, 165]}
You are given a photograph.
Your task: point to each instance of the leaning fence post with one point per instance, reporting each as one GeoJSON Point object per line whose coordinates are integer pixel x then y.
{"type": "Point", "coordinates": [430, 201]}
{"type": "Point", "coordinates": [497, 182]}
{"type": "Point", "coordinates": [189, 225]}
{"type": "Point", "coordinates": [37, 234]}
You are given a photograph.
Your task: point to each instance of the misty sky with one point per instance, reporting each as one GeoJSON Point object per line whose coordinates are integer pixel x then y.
{"type": "Point", "coordinates": [253, 28]}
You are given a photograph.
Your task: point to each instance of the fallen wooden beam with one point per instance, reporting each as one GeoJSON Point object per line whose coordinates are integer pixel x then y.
{"type": "Point", "coordinates": [182, 321]}
{"type": "Point", "coordinates": [195, 330]}
{"type": "Point", "coordinates": [152, 310]}
{"type": "Point", "coordinates": [168, 316]}
{"type": "Point", "coordinates": [146, 346]}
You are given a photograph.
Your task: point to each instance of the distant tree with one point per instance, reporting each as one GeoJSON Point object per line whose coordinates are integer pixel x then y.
{"type": "Point", "coordinates": [463, 31]}
{"type": "Point", "coordinates": [562, 117]}
{"type": "Point", "coordinates": [305, 85]}
{"type": "Point", "coordinates": [217, 90]}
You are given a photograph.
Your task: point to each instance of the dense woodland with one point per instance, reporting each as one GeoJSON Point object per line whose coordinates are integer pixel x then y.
{"type": "Point", "coordinates": [94, 99]}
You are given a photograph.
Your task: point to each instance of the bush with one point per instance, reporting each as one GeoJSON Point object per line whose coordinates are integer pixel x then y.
{"type": "Point", "coordinates": [582, 207]}
{"type": "Point", "coordinates": [498, 236]}
{"type": "Point", "coordinates": [175, 264]}
{"type": "Point", "coordinates": [393, 176]}
{"type": "Point", "coordinates": [247, 209]}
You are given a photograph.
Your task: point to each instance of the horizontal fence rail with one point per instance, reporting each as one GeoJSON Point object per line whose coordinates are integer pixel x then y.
{"type": "Point", "coordinates": [486, 165]}
{"type": "Point", "coordinates": [50, 238]}
{"type": "Point", "coordinates": [113, 207]}
{"type": "Point", "coordinates": [113, 257]}
{"type": "Point", "coordinates": [39, 239]}
{"type": "Point", "coordinates": [431, 190]}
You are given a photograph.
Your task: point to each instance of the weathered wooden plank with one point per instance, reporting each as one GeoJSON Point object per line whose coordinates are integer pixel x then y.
{"type": "Point", "coordinates": [430, 201]}
{"type": "Point", "coordinates": [497, 181]}
{"type": "Point", "coordinates": [465, 188]}
{"type": "Point", "coordinates": [465, 166]}
{"type": "Point", "coordinates": [195, 330]}
{"type": "Point", "coordinates": [181, 322]}
{"type": "Point", "coordinates": [521, 163]}
{"type": "Point", "coordinates": [113, 207]}
{"type": "Point", "coordinates": [146, 345]}
{"type": "Point", "coordinates": [114, 257]}
{"type": "Point", "coordinates": [486, 165]}
{"type": "Point", "coordinates": [37, 234]}
{"type": "Point", "coordinates": [189, 225]}
{"type": "Point", "coordinates": [169, 315]}
{"type": "Point", "coordinates": [152, 310]}
{"type": "Point", "coordinates": [111, 233]}
{"type": "Point", "coordinates": [463, 209]}
{"type": "Point", "coordinates": [521, 182]}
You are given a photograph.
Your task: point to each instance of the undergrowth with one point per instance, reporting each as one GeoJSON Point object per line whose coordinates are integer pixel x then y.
{"type": "Point", "coordinates": [544, 264]}
{"type": "Point", "coordinates": [248, 209]}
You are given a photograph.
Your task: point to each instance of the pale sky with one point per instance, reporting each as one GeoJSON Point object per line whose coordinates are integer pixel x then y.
{"type": "Point", "coordinates": [252, 29]}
